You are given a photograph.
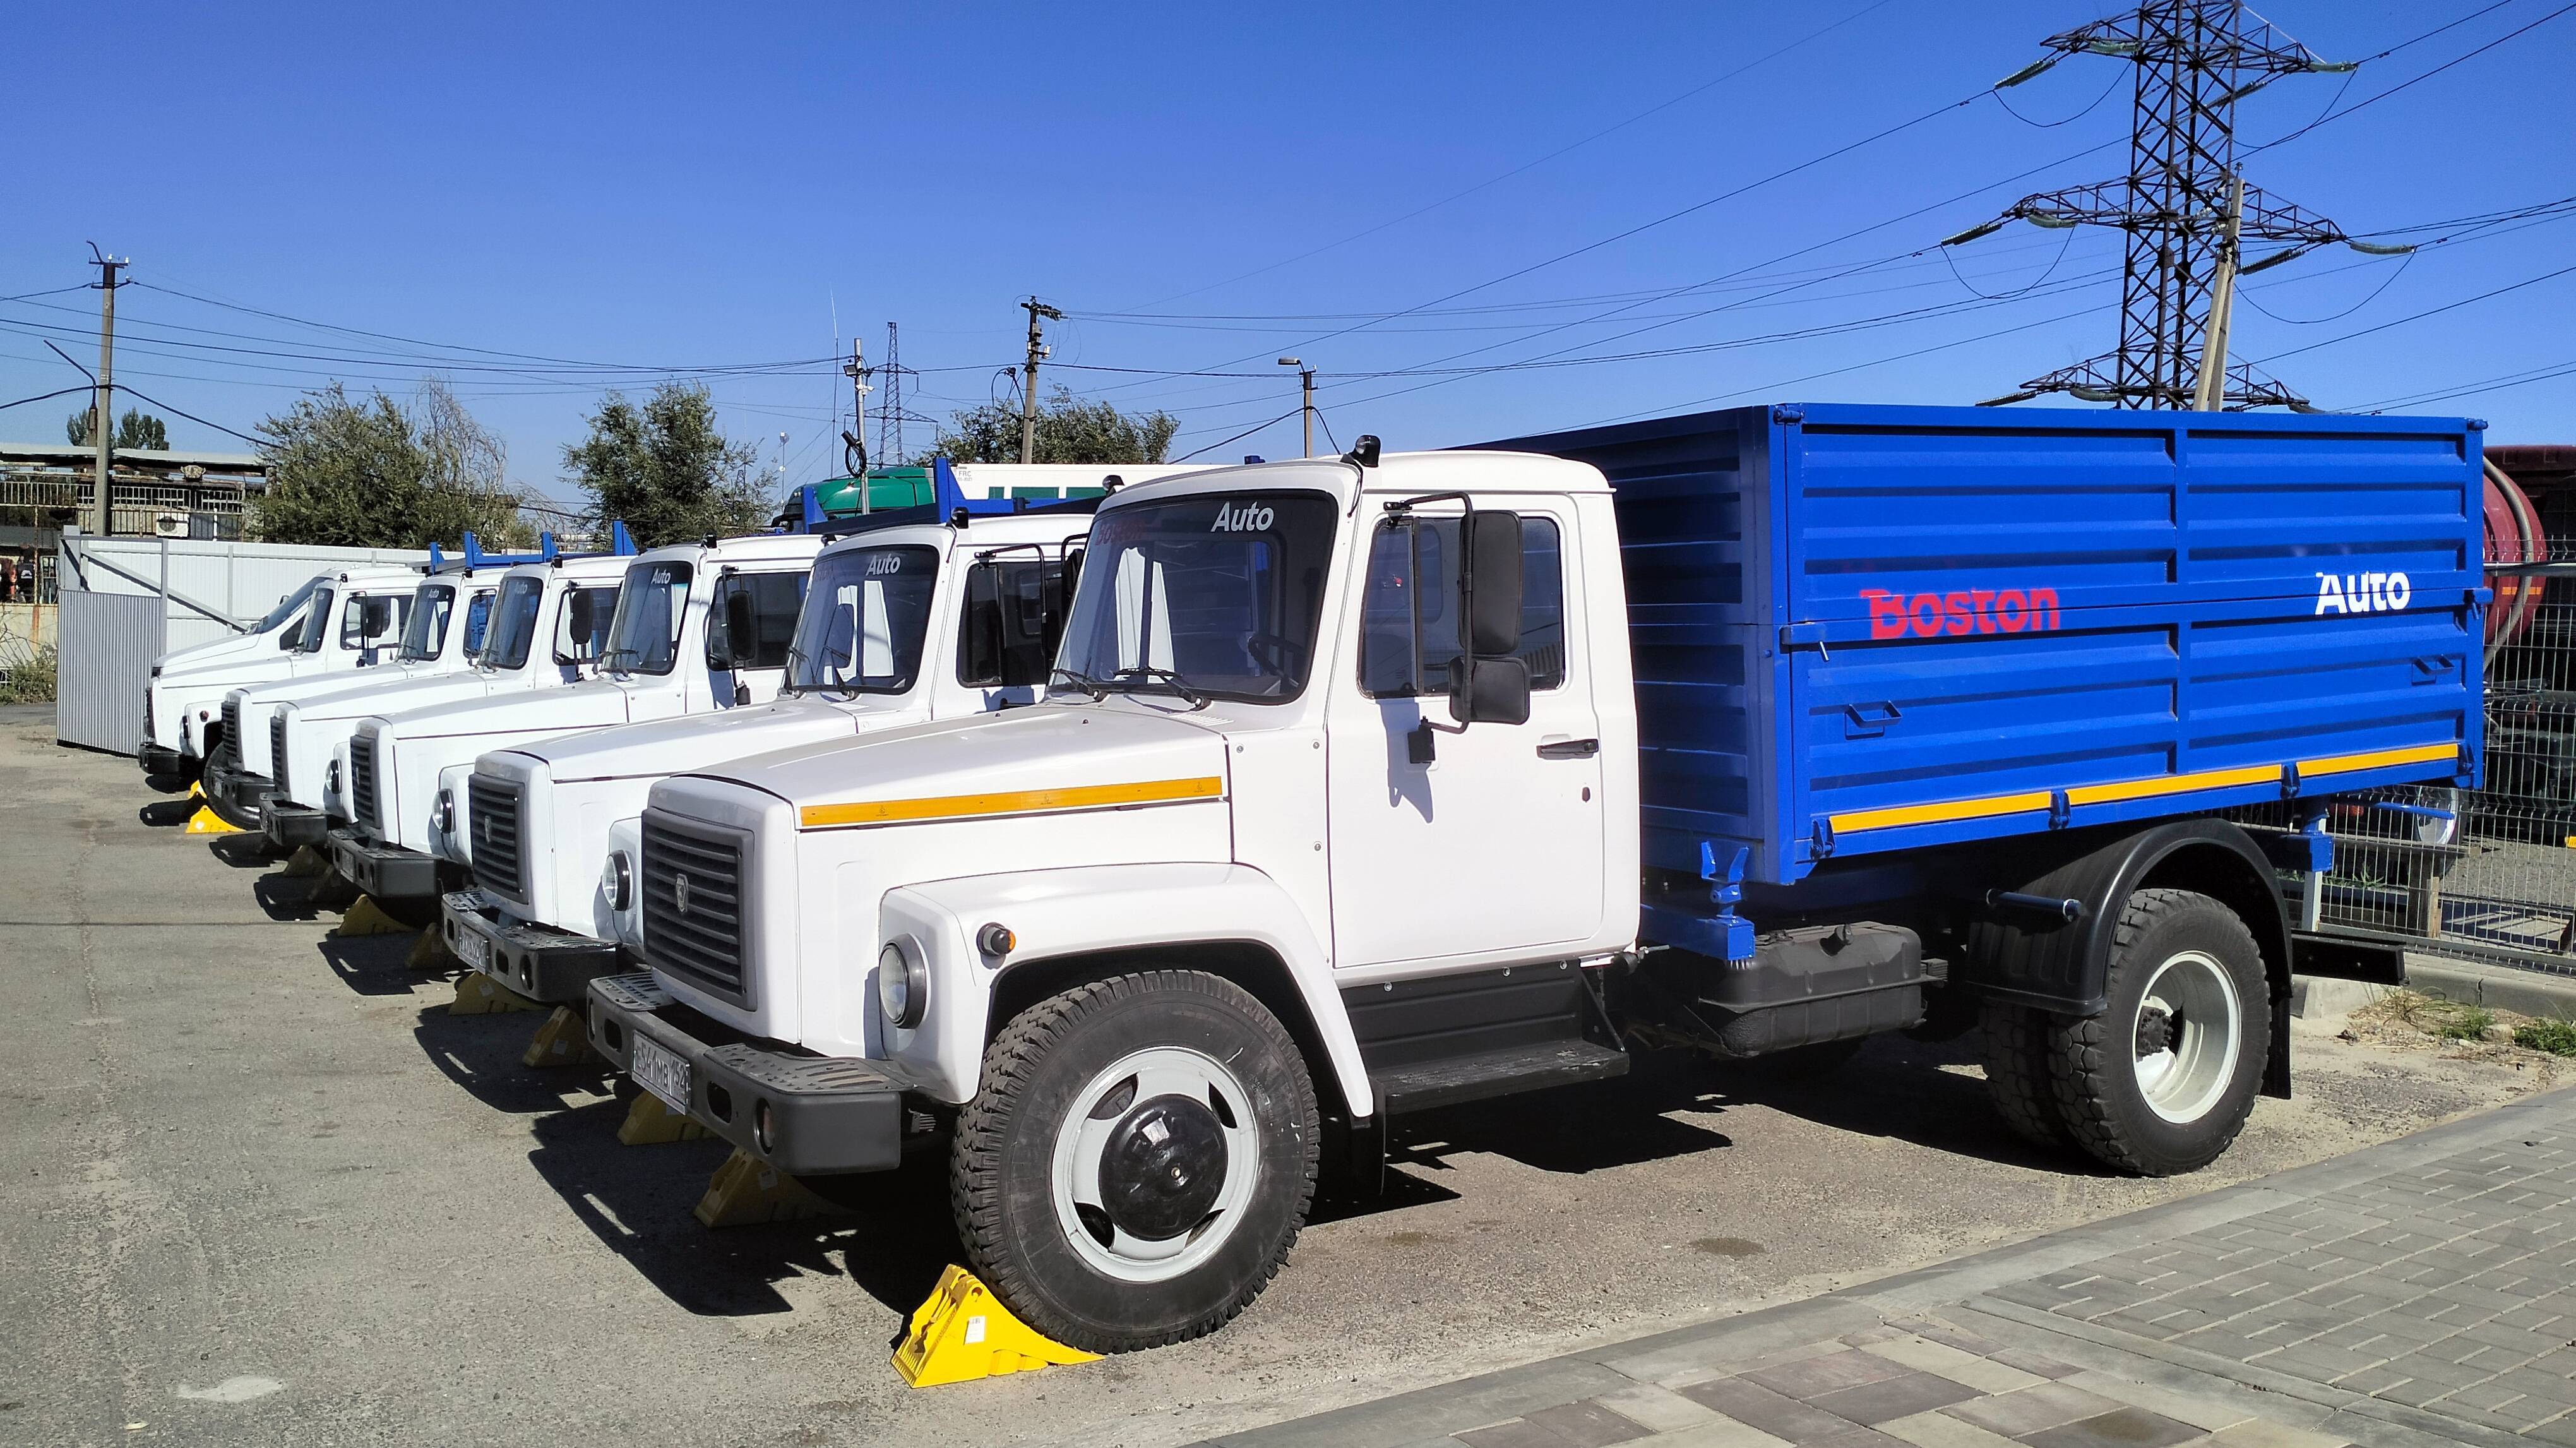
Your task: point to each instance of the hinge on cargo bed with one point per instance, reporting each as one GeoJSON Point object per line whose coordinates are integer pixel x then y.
{"type": "Point", "coordinates": [1788, 416]}
{"type": "Point", "coordinates": [1804, 635]}
{"type": "Point", "coordinates": [1820, 841]}
{"type": "Point", "coordinates": [2290, 780]}
{"type": "Point", "coordinates": [2061, 810]}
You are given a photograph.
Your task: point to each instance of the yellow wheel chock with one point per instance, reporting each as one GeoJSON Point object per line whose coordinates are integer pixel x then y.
{"type": "Point", "coordinates": [564, 1041]}
{"type": "Point", "coordinates": [366, 917]}
{"type": "Point", "coordinates": [307, 863]}
{"type": "Point", "coordinates": [478, 994]}
{"type": "Point", "coordinates": [650, 1123]}
{"type": "Point", "coordinates": [748, 1192]}
{"type": "Point", "coordinates": [962, 1333]}
{"type": "Point", "coordinates": [206, 822]}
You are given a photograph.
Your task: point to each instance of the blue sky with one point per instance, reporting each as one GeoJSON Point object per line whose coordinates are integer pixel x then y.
{"type": "Point", "coordinates": [666, 187]}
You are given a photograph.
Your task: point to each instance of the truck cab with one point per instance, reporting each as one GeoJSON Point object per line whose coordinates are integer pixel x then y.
{"type": "Point", "coordinates": [450, 614]}
{"type": "Point", "coordinates": [908, 619]}
{"type": "Point", "coordinates": [1369, 786]}
{"type": "Point", "coordinates": [697, 629]}
{"type": "Point", "coordinates": [338, 621]}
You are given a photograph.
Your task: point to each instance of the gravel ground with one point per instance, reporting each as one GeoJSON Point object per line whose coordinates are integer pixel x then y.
{"type": "Point", "coordinates": [262, 1188]}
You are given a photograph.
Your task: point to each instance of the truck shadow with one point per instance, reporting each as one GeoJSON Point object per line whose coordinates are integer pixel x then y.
{"type": "Point", "coordinates": [243, 851]}
{"type": "Point", "coordinates": [482, 1054]}
{"type": "Point", "coordinates": [891, 1236]}
{"type": "Point", "coordinates": [164, 813]}
{"type": "Point", "coordinates": [372, 965]}
{"type": "Point", "coordinates": [1926, 1094]}
{"type": "Point", "coordinates": [1895, 1088]}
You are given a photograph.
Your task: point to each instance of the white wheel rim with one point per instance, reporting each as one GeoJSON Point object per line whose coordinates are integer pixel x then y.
{"type": "Point", "coordinates": [1083, 1143]}
{"type": "Point", "coordinates": [2191, 1004]}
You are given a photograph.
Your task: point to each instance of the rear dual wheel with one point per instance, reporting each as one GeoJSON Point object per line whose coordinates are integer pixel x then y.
{"type": "Point", "coordinates": [1137, 1161]}
{"type": "Point", "coordinates": [2160, 1082]}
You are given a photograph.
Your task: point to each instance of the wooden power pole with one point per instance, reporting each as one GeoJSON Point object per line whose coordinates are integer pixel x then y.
{"type": "Point", "coordinates": [1037, 310]}
{"type": "Point", "coordinates": [102, 426]}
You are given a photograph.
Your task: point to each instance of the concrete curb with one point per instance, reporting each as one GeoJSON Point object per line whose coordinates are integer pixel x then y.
{"type": "Point", "coordinates": [2495, 987]}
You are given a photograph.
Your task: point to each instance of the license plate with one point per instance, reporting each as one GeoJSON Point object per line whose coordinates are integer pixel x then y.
{"type": "Point", "coordinates": [659, 1070]}
{"type": "Point", "coordinates": [472, 948]}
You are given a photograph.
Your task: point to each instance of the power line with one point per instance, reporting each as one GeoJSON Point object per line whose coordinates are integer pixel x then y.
{"type": "Point", "coordinates": [41, 396]}
{"type": "Point", "coordinates": [192, 417]}
{"type": "Point", "coordinates": [2372, 100]}
{"type": "Point", "coordinates": [2545, 372]}
{"type": "Point", "coordinates": [2428, 312]}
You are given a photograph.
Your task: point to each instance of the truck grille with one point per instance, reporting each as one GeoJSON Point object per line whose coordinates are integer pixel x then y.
{"type": "Point", "coordinates": [230, 749]}
{"type": "Point", "coordinates": [704, 941]}
{"type": "Point", "coordinates": [362, 781]}
{"type": "Point", "coordinates": [277, 751]}
{"type": "Point", "coordinates": [495, 819]}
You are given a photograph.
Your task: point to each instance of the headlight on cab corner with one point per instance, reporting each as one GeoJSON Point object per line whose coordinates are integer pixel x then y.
{"type": "Point", "coordinates": [617, 881]}
{"type": "Point", "coordinates": [903, 984]}
{"type": "Point", "coordinates": [443, 814]}
{"type": "Point", "coordinates": [331, 777]}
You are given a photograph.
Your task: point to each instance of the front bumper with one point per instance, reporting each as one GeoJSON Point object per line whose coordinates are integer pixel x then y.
{"type": "Point", "coordinates": [290, 826]}
{"type": "Point", "coordinates": [804, 1115]}
{"type": "Point", "coordinates": [387, 872]}
{"type": "Point", "coordinates": [237, 797]}
{"type": "Point", "coordinates": [158, 762]}
{"type": "Point", "coordinates": [538, 961]}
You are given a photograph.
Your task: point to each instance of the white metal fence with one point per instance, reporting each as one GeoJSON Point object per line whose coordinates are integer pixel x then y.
{"type": "Point", "coordinates": [127, 601]}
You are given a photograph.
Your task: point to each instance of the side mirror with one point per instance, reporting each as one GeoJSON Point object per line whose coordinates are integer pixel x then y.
{"type": "Point", "coordinates": [1490, 690]}
{"type": "Point", "coordinates": [735, 642]}
{"type": "Point", "coordinates": [1489, 583]}
{"type": "Point", "coordinates": [581, 619]}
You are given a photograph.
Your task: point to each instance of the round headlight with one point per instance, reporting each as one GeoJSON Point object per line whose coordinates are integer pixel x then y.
{"type": "Point", "coordinates": [617, 880]}
{"type": "Point", "coordinates": [903, 988]}
{"type": "Point", "coordinates": [331, 777]}
{"type": "Point", "coordinates": [443, 814]}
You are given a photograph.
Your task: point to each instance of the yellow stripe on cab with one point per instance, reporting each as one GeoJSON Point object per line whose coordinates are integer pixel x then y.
{"type": "Point", "coordinates": [1010, 802]}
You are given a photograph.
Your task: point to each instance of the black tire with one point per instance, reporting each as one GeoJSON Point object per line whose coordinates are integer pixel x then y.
{"type": "Point", "coordinates": [1002, 1182]}
{"type": "Point", "coordinates": [2017, 1074]}
{"type": "Point", "coordinates": [2092, 1060]}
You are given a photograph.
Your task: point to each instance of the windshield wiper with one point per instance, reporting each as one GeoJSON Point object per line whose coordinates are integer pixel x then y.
{"type": "Point", "coordinates": [1179, 685]}
{"type": "Point", "coordinates": [1087, 684]}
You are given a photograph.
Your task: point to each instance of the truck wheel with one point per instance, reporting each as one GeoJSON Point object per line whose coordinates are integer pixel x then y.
{"type": "Point", "coordinates": [2017, 1074]}
{"type": "Point", "coordinates": [1137, 1160]}
{"type": "Point", "coordinates": [2161, 1082]}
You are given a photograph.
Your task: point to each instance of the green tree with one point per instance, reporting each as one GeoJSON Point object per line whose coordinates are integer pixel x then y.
{"type": "Point", "coordinates": [664, 468]}
{"type": "Point", "coordinates": [1069, 431]}
{"type": "Point", "coordinates": [375, 474]}
{"type": "Point", "coordinates": [133, 430]}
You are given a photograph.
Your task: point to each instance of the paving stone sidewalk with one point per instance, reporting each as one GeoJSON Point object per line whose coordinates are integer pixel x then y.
{"type": "Point", "coordinates": [2415, 1293]}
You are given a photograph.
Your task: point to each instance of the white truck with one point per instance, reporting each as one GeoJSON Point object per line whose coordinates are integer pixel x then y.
{"type": "Point", "coordinates": [1370, 786]}
{"type": "Point", "coordinates": [449, 615]}
{"type": "Point", "coordinates": [910, 617]}
{"type": "Point", "coordinates": [546, 623]}
{"type": "Point", "coordinates": [337, 621]}
{"type": "Point", "coordinates": [698, 628]}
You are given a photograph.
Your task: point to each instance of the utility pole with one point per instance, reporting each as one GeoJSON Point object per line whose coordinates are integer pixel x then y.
{"type": "Point", "coordinates": [857, 371]}
{"type": "Point", "coordinates": [1029, 378]}
{"type": "Point", "coordinates": [102, 427]}
{"type": "Point", "coordinates": [2212, 388]}
{"type": "Point", "coordinates": [2195, 60]}
{"type": "Point", "coordinates": [1306, 398]}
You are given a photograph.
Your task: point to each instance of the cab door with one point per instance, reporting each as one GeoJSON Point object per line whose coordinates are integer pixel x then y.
{"type": "Point", "coordinates": [751, 621]}
{"type": "Point", "coordinates": [1492, 848]}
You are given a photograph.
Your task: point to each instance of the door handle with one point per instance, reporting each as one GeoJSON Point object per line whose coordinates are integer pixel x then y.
{"type": "Point", "coordinates": [1569, 749]}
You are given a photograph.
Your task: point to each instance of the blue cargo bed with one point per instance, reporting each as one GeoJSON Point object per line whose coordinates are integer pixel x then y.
{"type": "Point", "coordinates": [1861, 629]}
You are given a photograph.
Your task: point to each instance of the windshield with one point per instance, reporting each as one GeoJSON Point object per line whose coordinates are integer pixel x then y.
{"type": "Point", "coordinates": [1208, 597]}
{"type": "Point", "coordinates": [427, 631]}
{"type": "Point", "coordinates": [865, 617]}
{"type": "Point", "coordinates": [287, 606]}
{"type": "Point", "coordinates": [645, 639]}
{"type": "Point", "coordinates": [514, 622]}
{"type": "Point", "coordinates": [317, 625]}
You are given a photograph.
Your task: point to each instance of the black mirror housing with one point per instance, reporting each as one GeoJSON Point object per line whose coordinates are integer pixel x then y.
{"type": "Point", "coordinates": [1490, 690]}
{"type": "Point", "coordinates": [741, 637]}
{"type": "Point", "coordinates": [1490, 585]}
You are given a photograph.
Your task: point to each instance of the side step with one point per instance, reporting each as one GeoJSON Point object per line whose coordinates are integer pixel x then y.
{"type": "Point", "coordinates": [1504, 1072]}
